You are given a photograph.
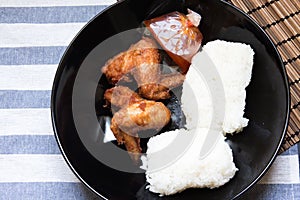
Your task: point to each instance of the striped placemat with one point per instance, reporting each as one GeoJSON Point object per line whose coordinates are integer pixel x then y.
{"type": "Point", "coordinates": [281, 20]}
{"type": "Point", "coordinates": [34, 36]}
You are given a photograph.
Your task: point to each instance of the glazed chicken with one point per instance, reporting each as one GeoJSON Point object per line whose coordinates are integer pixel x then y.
{"type": "Point", "coordinates": [121, 96]}
{"type": "Point", "coordinates": [143, 52]}
{"type": "Point", "coordinates": [160, 89]}
{"type": "Point", "coordinates": [142, 61]}
{"type": "Point", "coordinates": [136, 114]}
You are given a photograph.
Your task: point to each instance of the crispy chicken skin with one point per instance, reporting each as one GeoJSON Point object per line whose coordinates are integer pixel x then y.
{"type": "Point", "coordinates": [161, 90]}
{"type": "Point", "coordinates": [136, 114]}
{"type": "Point", "coordinates": [172, 80]}
{"type": "Point", "coordinates": [142, 115]}
{"type": "Point", "coordinates": [121, 96]}
{"type": "Point", "coordinates": [142, 61]}
{"type": "Point", "coordinates": [143, 52]}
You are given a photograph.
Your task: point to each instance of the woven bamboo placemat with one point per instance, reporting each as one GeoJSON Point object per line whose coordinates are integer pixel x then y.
{"type": "Point", "coordinates": [281, 20]}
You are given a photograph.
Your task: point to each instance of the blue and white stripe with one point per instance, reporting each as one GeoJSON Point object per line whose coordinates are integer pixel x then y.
{"type": "Point", "coordinates": [34, 35]}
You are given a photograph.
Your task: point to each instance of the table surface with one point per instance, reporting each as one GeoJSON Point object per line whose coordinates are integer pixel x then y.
{"type": "Point", "coordinates": [34, 35]}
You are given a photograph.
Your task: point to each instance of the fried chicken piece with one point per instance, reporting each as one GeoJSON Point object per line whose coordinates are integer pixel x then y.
{"type": "Point", "coordinates": [121, 96]}
{"type": "Point", "coordinates": [172, 80]}
{"type": "Point", "coordinates": [142, 61]}
{"type": "Point", "coordinates": [143, 52]}
{"type": "Point", "coordinates": [142, 115]}
{"type": "Point", "coordinates": [154, 85]}
{"type": "Point", "coordinates": [161, 89]}
{"type": "Point", "coordinates": [136, 114]}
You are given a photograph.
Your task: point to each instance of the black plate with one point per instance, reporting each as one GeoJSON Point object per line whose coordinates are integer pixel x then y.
{"type": "Point", "coordinates": [267, 103]}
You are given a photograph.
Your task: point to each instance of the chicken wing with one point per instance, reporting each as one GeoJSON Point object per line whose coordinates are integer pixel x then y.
{"type": "Point", "coordinates": [142, 115]}
{"type": "Point", "coordinates": [161, 89]}
{"type": "Point", "coordinates": [143, 52]}
{"type": "Point", "coordinates": [142, 61]}
{"type": "Point", "coordinates": [136, 114]}
{"type": "Point", "coordinates": [121, 96]}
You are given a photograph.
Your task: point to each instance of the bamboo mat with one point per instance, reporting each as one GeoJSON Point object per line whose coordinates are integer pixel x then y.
{"type": "Point", "coordinates": [281, 20]}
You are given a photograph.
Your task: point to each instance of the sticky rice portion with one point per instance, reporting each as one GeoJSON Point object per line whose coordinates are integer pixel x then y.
{"type": "Point", "coordinates": [234, 62]}
{"type": "Point", "coordinates": [189, 170]}
{"type": "Point", "coordinates": [214, 90]}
